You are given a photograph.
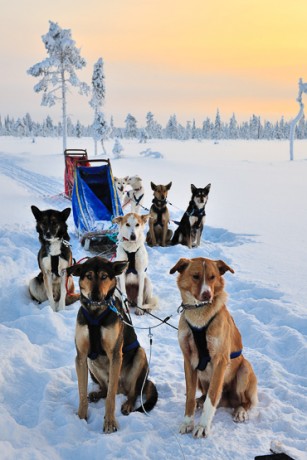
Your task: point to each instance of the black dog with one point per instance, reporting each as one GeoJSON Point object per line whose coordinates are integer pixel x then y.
{"type": "Point", "coordinates": [54, 257]}
{"type": "Point", "coordinates": [192, 223]}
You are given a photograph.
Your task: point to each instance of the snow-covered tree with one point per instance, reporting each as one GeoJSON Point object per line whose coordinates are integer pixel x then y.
{"type": "Point", "coordinates": [58, 71]}
{"type": "Point", "coordinates": [97, 100]}
{"type": "Point", "coordinates": [217, 132]}
{"type": "Point", "coordinates": [117, 149]}
{"type": "Point", "coordinates": [171, 130]}
{"type": "Point", "coordinates": [131, 128]}
{"type": "Point", "coordinates": [100, 129]}
{"type": "Point", "coordinates": [233, 127]}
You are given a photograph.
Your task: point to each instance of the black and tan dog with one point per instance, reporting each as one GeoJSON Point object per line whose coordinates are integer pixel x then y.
{"type": "Point", "coordinates": [211, 345]}
{"type": "Point", "coordinates": [159, 234]}
{"type": "Point", "coordinates": [192, 222]}
{"type": "Point", "coordinates": [54, 257]}
{"type": "Point", "coordinates": [107, 345]}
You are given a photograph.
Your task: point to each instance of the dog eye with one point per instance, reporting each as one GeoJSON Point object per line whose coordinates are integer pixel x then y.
{"type": "Point", "coordinates": [103, 277]}
{"type": "Point", "coordinates": [137, 225]}
{"type": "Point", "coordinates": [127, 225]}
{"type": "Point", "coordinates": [196, 277]}
{"type": "Point", "coordinates": [89, 276]}
{"type": "Point", "coordinates": [212, 277]}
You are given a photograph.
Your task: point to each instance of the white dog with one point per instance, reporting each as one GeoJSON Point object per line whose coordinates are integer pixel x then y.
{"type": "Point", "coordinates": [120, 183]}
{"type": "Point", "coordinates": [134, 282]}
{"type": "Point", "coordinates": [134, 197]}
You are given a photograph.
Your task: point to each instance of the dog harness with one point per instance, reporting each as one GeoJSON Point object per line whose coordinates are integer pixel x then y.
{"type": "Point", "coordinates": [200, 339]}
{"type": "Point", "coordinates": [136, 200]}
{"type": "Point", "coordinates": [199, 213]}
{"type": "Point", "coordinates": [131, 262]}
{"type": "Point", "coordinates": [158, 210]}
{"type": "Point", "coordinates": [94, 326]}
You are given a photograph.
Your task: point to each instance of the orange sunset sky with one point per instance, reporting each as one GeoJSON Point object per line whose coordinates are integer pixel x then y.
{"type": "Point", "coordinates": [164, 56]}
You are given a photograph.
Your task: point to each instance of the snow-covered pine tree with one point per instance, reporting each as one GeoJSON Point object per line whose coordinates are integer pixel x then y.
{"type": "Point", "coordinates": [131, 128]}
{"type": "Point", "coordinates": [100, 129]}
{"type": "Point", "coordinates": [117, 148]}
{"type": "Point", "coordinates": [217, 132]}
{"type": "Point", "coordinates": [97, 101]}
{"type": "Point", "coordinates": [58, 71]}
{"type": "Point", "coordinates": [233, 127]}
{"type": "Point", "coordinates": [171, 130]}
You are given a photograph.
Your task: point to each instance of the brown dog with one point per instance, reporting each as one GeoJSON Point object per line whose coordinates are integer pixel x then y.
{"type": "Point", "coordinates": [107, 345]}
{"type": "Point", "coordinates": [211, 345]}
{"type": "Point", "coordinates": [159, 234]}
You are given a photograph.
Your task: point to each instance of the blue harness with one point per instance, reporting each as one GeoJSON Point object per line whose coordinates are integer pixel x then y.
{"type": "Point", "coordinates": [200, 339]}
{"type": "Point", "coordinates": [94, 325]}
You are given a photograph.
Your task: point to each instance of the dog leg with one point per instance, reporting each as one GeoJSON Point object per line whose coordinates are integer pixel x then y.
{"type": "Point", "coordinates": [212, 399]}
{"type": "Point", "coordinates": [82, 375]}
{"type": "Point", "coordinates": [140, 297]}
{"type": "Point", "coordinates": [61, 305]}
{"type": "Point", "coordinates": [49, 290]}
{"type": "Point", "coordinates": [152, 233]}
{"type": "Point", "coordinates": [110, 424]}
{"type": "Point", "coordinates": [190, 380]}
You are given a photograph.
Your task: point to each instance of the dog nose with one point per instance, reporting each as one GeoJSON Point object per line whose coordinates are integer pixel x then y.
{"type": "Point", "coordinates": [132, 237]}
{"type": "Point", "coordinates": [206, 296]}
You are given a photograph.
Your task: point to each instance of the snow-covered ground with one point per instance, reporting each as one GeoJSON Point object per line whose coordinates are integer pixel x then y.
{"type": "Point", "coordinates": [256, 222]}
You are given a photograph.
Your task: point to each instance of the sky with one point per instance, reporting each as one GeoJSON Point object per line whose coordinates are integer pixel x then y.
{"type": "Point", "coordinates": [164, 56]}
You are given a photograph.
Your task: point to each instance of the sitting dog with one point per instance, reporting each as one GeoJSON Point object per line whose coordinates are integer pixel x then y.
{"type": "Point", "coordinates": [54, 257]}
{"type": "Point", "coordinates": [107, 345]}
{"type": "Point", "coordinates": [134, 282]}
{"type": "Point", "coordinates": [211, 345]}
{"type": "Point", "coordinates": [159, 234]}
{"type": "Point", "coordinates": [120, 183]}
{"type": "Point", "coordinates": [192, 222]}
{"type": "Point", "coordinates": [135, 196]}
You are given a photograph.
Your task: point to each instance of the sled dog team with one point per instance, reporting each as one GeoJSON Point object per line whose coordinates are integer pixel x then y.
{"type": "Point", "coordinates": [106, 342]}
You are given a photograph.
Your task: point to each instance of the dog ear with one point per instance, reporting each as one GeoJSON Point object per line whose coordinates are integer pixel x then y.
{"type": "Point", "coordinates": [180, 266]}
{"type": "Point", "coordinates": [153, 186]}
{"type": "Point", "coordinates": [207, 188]}
{"type": "Point", "coordinates": [65, 214]}
{"type": "Point", "coordinates": [119, 266]}
{"type": "Point", "coordinates": [74, 270]}
{"type": "Point", "coordinates": [223, 267]}
{"type": "Point", "coordinates": [126, 178]}
{"type": "Point", "coordinates": [117, 220]}
{"type": "Point", "coordinates": [168, 186]}
{"type": "Point", "coordinates": [36, 212]}
{"type": "Point", "coordinates": [145, 217]}
{"type": "Point", "coordinates": [193, 188]}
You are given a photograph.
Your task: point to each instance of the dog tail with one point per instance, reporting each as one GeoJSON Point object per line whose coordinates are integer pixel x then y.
{"type": "Point", "coordinates": [175, 239]}
{"type": "Point", "coordinates": [151, 393]}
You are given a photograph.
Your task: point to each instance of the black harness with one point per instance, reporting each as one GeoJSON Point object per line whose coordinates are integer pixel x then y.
{"type": "Point", "coordinates": [136, 200]}
{"type": "Point", "coordinates": [197, 212]}
{"type": "Point", "coordinates": [131, 262]}
{"type": "Point", "coordinates": [94, 324]}
{"type": "Point", "coordinates": [200, 339]}
{"type": "Point", "coordinates": [159, 207]}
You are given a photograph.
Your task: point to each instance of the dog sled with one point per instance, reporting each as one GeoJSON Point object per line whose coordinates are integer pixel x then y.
{"type": "Point", "coordinates": [94, 203]}
{"type": "Point", "coordinates": [73, 158]}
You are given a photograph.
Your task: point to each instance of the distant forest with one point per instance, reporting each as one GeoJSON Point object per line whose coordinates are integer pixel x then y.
{"type": "Point", "coordinates": [217, 129]}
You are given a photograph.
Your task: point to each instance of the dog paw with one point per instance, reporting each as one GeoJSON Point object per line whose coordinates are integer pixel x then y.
{"type": "Point", "coordinates": [200, 431]}
{"type": "Point", "coordinates": [200, 402]}
{"type": "Point", "coordinates": [110, 425]}
{"type": "Point", "coordinates": [94, 396]}
{"type": "Point", "coordinates": [240, 415]}
{"type": "Point", "coordinates": [126, 408]}
{"type": "Point", "coordinates": [139, 312]}
{"type": "Point", "coordinates": [187, 425]}
{"type": "Point", "coordinates": [82, 413]}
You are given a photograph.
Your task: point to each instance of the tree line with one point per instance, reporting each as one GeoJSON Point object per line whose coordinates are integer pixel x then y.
{"type": "Point", "coordinates": [215, 129]}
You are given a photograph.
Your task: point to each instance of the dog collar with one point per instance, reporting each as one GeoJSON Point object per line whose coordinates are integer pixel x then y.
{"type": "Point", "coordinates": [186, 306]}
